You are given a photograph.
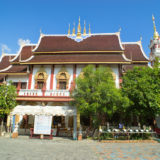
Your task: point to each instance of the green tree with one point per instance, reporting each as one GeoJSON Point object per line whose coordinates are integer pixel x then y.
{"type": "Point", "coordinates": [7, 99]}
{"type": "Point", "coordinates": [96, 94]}
{"type": "Point", "coordinates": [142, 86]}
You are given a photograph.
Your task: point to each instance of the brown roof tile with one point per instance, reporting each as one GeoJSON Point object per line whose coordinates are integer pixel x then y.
{"type": "Point", "coordinates": [77, 58]}
{"type": "Point", "coordinates": [92, 43]}
{"type": "Point", "coordinates": [16, 69]}
{"type": "Point", "coordinates": [133, 51]}
{"type": "Point", "coordinates": [26, 52]}
{"type": "Point", "coordinates": [2, 77]}
{"type": "Point", "coordinates": [5, 61]}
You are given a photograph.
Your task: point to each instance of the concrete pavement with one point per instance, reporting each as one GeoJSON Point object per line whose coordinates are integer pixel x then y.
{"type": "Point", "coordinates": [24, 148]}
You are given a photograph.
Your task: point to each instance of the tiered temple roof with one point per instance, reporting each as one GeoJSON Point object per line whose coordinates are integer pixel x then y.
{"type": "Point", "coordinates": [51, 44]}
{"type": "Point", "coordinates": [63, 49]}
{"type": "Point", "coordinates": [5, 61]}
{"type": "Point", "coordinates": [134, 52]}
{"type": "Point", "coordinates": [24, 53]}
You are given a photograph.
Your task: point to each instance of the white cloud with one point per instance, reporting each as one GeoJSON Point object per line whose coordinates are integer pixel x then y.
{"type": "Point", "coordinates": [22, 42]}
{"type": "Point", "coordinates": [5, 48]}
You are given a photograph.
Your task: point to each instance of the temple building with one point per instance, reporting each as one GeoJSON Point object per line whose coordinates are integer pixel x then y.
{"type": "Point", "coordinates": [45, 73]}
{"type": "Point", "coordinates": [154, 44]}
{"type": "Point", "coordinates": [155, 53]}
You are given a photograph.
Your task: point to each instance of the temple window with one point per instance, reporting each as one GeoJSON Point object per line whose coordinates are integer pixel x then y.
{"type": "Point", "coordinates": [62, 85]}
{"type": "Point", "coordinates": [40, 85]}
{"type": "Point", "coordinates": [62, 79]}
{"type": "Point", "coordinates": [40, 80]}
{"type": "Point", "coordinates": [23, 85]}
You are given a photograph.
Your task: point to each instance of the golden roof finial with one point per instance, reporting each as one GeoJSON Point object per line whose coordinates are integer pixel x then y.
{"type": "Point", "coordinates": [89, 30]}
{"type": "Point", "coordinates": [79, 30]}
{"type": "Point", "coordinates": [84, 31]}
{"type": "Point", "coordinates": [140, 40]}
{"type": "Point", "coordinates": [69, 32]}
{"type": "Point", "coordinates": [156, 35]}
{"type": "Point", "coordinates": [73, 31]}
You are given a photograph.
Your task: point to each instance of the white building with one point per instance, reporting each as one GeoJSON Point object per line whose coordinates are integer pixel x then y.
{"type": "Point", "coordinates": [44, 74]}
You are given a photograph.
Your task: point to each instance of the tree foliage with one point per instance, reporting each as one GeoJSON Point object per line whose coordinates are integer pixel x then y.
{"type": "Point", "coordinates": [142, 86]}
{"type": "Point", "coordinates": [96, 94]}
{"type": "Point", "coordinates": [7, 98]}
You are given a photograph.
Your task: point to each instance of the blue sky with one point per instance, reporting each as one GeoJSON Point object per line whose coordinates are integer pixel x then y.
{"type": "Point", "coordinates": [22, 19]}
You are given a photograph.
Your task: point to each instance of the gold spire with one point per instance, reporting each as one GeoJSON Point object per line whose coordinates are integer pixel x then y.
{"type": "Point", "coordinates": [140, 40]}
{"type": "Point", "coordinates": [73, 31]}
{"type": "Point", "coordinates": [84, 31]}
{"type": "Point", "coordinates": [69, 30]}
{"type": "Point", "coordinates": [156, 35]}
{"type": "Point", "coordinates": [89, 30]}
{"type": "Point", "coordinates": [79, 30]}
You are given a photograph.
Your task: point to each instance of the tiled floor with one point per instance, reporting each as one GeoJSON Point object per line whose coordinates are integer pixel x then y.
{"type": "Point", "coordinates": [24, 148]}
{"type": "Point", "coordinates": [129, 151]}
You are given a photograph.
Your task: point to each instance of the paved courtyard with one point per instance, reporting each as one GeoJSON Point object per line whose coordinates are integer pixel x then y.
{"type": "Point", "coordinates": [65, 149]}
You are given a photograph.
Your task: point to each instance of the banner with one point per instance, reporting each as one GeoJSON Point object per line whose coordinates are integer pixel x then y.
{"type": "Point", "coordinates": [42, 124]}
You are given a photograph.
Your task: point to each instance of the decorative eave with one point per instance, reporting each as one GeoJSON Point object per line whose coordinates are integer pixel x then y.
{"type": "Point", "coordinates": [5, 54]}
{"type": "Point", "coordinates": [44, 99]}
{"type": "Point", "coordinates": [5, 69]}
{"type": "Point", "coordinates": [15, 70]}
{"type": "Point", "coordinates": [81, 52]}
{"type": "Point", "coordinates": [75, 62]}
{"type": "Point", "coordinates": [5, 61]}
{"type": "Point", "coordinates": [140, 54]}
{"type": "Point", "coordinates": [6, 73]}
{"type": "Point", "coordinates": [19, 55]}
{"type": "Point", "coordinates": [140, 61]}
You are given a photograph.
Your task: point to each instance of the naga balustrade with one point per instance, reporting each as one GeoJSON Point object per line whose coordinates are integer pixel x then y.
{"type": "Point", "coordinates": [39, 92]}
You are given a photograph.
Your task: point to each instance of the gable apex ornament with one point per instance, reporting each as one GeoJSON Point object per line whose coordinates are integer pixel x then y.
{"type": "Point", "coordinates": [41, 75]}
{"type": "Point", "coordinates": [79, 30]}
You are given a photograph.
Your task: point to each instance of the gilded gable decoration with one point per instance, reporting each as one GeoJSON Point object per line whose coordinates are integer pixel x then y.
{"type": "Point", "coordinates": [41, 75]}
{"type": "Point", "coordinates": [62, 79]}
{"type": "Point", "coordinates": [40, 78]}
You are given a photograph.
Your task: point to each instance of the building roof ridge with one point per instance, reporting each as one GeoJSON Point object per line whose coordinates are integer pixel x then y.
{"type": "Point", "coordinates": [113, 33]}
{"type": "Point", "coordinates": [136, 42]}
{"type": "Point", "coordinates": [6, 54]}
{"type": "Point", "coordinates": [20, 50]}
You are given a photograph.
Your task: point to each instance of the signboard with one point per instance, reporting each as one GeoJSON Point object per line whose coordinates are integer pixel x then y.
{"type": "Point", "coordinates": [42, 124]}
